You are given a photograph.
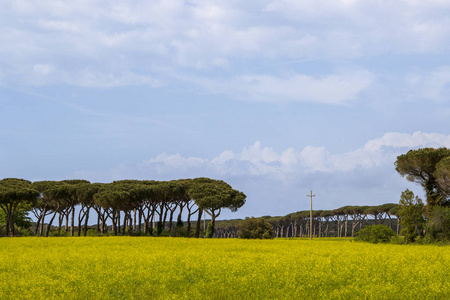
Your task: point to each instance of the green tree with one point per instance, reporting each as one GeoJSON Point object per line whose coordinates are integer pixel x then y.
{"type": "Point", "coordinates": [419, 166]}
{"type": "Point", "coordinates": [411, 212]}
{"type": "Point", "coordinates": [20, 218]}
{"type": "Point", "coordinates": [442, 175]}
{"type": "Point", "coordinates": [212, 196]}
{"type": "Point", "coordinates": [438, 225]}
{"type": "Point", "coordinates": [255, 228]}
{"type": "Point", "coordinates": [43, 205]}
{"type": "Point", "coordinates": [15, 192]}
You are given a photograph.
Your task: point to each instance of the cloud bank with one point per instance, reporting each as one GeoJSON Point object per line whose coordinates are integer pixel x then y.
{"type": "Point", "coordinates": [259, 161]}
{"type": "Point", "coordinates": [160, 43]}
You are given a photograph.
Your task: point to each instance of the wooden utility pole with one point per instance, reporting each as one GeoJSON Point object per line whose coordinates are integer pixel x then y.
{"type": "Point", "coordinates": [310, 215]}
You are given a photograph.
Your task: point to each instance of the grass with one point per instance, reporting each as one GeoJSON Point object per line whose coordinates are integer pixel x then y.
{"type": "Point", "coordinates": [178, 268]}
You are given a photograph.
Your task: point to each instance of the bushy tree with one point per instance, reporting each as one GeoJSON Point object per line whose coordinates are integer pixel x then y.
{"type": "Point", "coordinates": [255, 228]}
{"type": "Point", "coordinates": [212, 196]}
{"type": "Point", "coordinates": [411, 213]}
{"type": "Point", "coordinates": [375, 234]}
{"type": "Point", "coordinates": [438, 225]}
{"type": "Point", "coordinates": [442, 175]}
{"type": "Point", "coordinates": [20, 218]}
{"type": "Point", "coordinates": [419, 166]}
{"type": "Point", "coordinates": [13, 193]}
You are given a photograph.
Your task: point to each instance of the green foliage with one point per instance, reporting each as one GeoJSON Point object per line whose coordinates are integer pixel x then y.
{"type": "Point", "coordinates": [209, 230]}
{"type": "Point", "coordinates": [419, 166]}
{"type": "Point", "coordinates": [20, 217]}
{"type": "Point", "coordinates": [442, 175]}
{"type": "Point", "coordinates": [179, 232]}
{"type": "Point", "coordinates": [438, 225]}
{"type": "Point", "coordinates": [375, 234]}
{"type": "Point", "coordinates": [215, 194]}
{"type": "Point", "coordinates": [255, 228]}
{"type": "Point", "coordinates": [92, 232]}
{"type": "Point", "coordinates": [16, 195]}
{"type": "Point", "coordinates": [411, 213]}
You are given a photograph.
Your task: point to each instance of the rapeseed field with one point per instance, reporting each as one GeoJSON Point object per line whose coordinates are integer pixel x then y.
{"type": "Point", "coordinates": [178, 268]}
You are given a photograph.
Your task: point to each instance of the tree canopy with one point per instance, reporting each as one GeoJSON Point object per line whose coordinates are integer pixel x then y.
{"type": "Point", "coordinates": [14, 192]}
{"type": "Point", "coordinates": [213, 195]}
{"type": "Point", "coordinates": [419, 166]}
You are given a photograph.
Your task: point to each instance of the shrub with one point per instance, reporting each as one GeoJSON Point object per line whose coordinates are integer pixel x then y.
{"type": "Point", "coordinates": [92, 232]}
{"type": "Point", "coordinates": [255, 228]}
{"type": "Point", "coordinates": [375, 234]}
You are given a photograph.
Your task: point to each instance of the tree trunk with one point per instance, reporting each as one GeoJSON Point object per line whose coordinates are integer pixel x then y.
{"type": "Point", "coordinates": [189, 224]}
{"type": "Point", "coordinates": [72, 221]}
{"type": "Point", "coordinates": [139, 222]}
{"type": "Point", "coordinates": [164, 220]}
{"type": "Point", "coordinates": [86, 223]}
{"type": "Point", "coordinates": [170, 221]}
{"type": "Point", "coordinates": [134, 220]}
{"type": "Point", "coordinates": [38, 222]}
{"type": "Point", "coordinates": [11, 221]}
{"type": "Point", "coordinates": [61, 219]}
{"type": "Point", "coordinates": [98, 220]}
{"type": "Point", "coordinates": [50, 224]}
{"type": "Point", "coordinates": [199, 220]}
{"type": "Point", "coordinates": [125, 217]}
{"type": "Point", "coordinates": [41, 227]}
{"type": "Point", "coordinates": [66, 227]}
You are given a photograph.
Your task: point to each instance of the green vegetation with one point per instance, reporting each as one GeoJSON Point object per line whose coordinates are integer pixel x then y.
{"type": "Point", "coordinates": [255, 228]}
{"type": "Point", "coordinates": [131, 206]}
{"type": "Point", "coordinates": [431, 169]}
{"type": "Point", "coordinates": [375, 234]}
{"type": "Point", "coordinates": [420, 166]}
{"type": "Point", "coordinates": [411, 213]}
{"type": "Point", "coordinates": [438, 226]}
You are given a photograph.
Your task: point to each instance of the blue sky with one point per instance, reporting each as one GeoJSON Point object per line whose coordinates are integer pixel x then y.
{"type": "Point", "coordinates": [274, 97]}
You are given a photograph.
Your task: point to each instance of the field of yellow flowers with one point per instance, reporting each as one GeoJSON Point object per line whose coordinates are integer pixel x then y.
{"type": "Point", "coordinates": [178, 268]}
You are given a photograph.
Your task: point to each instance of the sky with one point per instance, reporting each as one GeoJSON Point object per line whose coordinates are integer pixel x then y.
{"type": "Point", "coordinates": [277, 98]}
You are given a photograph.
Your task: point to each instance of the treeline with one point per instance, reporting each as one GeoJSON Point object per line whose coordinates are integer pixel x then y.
{"type": "Point", "coordinates": [430, 222]}
{"type": "Point", "coordinates": [341, 222]}
{"type": "Point", "coordinates": [142, 207]}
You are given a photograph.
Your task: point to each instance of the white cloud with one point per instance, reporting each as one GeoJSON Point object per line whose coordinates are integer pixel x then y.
{"type": "Point", "coordinates": [289, 164]}
{"type": "Point", "coordinates": [330, 89]}
{"type": "Point", "coordinates": [375, 26]}
{"type": "Point", "coordinates": [159, 38]}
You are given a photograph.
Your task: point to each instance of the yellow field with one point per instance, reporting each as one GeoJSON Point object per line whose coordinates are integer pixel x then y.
{"type": "Point", "coordinates": [177, 268]}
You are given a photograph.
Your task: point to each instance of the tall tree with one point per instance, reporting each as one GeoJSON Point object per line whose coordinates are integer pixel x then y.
{"type": "Point", "coordinates": [43, 206]}
{"type": "Point", "coordinates": [214, 195]}
{"type": "Point", "coordinates": [85, 195]}
{"type": "Point", "coordinates": [411, 215]}
{"type": "Point", "coordinates": [14, 192]}
{"type": "Point", "coordinates": [442, 175]}
{"type": "Point", "coordinates": [71, 188]}
{"type": "Point", "coordinates": [419, 166]}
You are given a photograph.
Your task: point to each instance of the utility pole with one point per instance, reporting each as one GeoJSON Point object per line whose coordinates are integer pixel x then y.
{"type": "Point", "coordinates": [310, 215]}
